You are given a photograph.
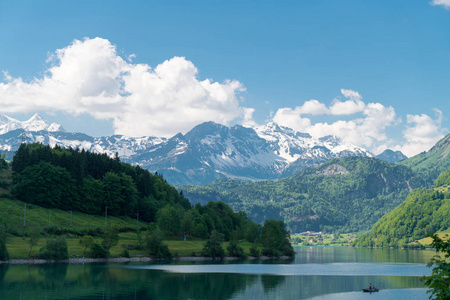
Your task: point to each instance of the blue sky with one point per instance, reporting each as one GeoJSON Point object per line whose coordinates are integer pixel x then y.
{"type": "Point", "coordinates": [375, 73]}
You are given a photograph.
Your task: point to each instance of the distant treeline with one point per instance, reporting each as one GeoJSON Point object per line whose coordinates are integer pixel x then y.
{"type": "Point", "coordinates": [74, 179]}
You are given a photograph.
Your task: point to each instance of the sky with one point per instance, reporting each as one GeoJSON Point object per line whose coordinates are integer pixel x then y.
{"type": "Point", "coordinates": [374, 73]}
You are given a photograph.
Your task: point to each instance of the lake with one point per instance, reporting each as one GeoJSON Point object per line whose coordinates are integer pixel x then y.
{"type": "Point", "coordinates": [314, 273]}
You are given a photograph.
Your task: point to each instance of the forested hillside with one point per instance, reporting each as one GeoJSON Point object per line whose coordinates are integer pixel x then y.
{"type": "Point", "coordinates": [69, 179]}
{"type": "Point", "coordinates": [424, 211]}
{"type": "Point", "coordinates": [79, 180]}
{"type": "Point", "coordinates": [345, 194]}
{"type": "Point", "coordinates": [432, 163]}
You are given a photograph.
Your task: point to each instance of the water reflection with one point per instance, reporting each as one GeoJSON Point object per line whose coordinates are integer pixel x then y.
{"type": "Point", "coordinates": [325, 255]}
{"type": "Point", "coordinates": [228, 281]}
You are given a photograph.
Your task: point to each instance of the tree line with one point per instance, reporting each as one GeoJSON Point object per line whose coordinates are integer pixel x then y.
{"type": "Point", "coordinates": [78, 180]}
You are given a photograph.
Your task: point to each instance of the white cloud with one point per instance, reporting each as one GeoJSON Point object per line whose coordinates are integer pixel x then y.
{"type": "Point", "coordinates": [445, 3]}
{"type": "Point", "coordinates": [367, 125]}
{"type": "Point", "coordinates": [422, 133]}
{"type": "Point", "coordinates": [367, 128]}
{"type": "Point", "coordinates": [248, 120]}
{"type": "Point", "coordinates": [352, 106]}
{"type": "Point", "coordinates": [89, 77]}
{"type": "Point", "coordinates": [313, 107]}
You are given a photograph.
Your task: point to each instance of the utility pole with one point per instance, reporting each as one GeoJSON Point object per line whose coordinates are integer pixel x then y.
{"type": "Point", "coordinates": [70, 218]}
{"type": "Point", "coordinates": [137, 220]}
{"type": "Point", "coordinates": [24, 214]}
{"type": "Point", "coordinates": [106, 215]}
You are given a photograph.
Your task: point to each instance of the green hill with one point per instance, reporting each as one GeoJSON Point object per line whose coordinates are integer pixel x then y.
{"type": "Point", "coordinates": [424, 211]}
{"type": "Point", "coordinates": [346, 194]}
{"type": "Point", "coordinates": [432, 163]}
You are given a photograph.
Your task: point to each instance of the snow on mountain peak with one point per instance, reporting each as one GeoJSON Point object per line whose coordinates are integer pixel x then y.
{"type": "Point", "coordinates": [35, 123]}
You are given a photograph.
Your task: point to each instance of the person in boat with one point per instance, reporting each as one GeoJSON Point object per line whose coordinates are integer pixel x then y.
{"type": "Point", "coordinates": [370, 286]}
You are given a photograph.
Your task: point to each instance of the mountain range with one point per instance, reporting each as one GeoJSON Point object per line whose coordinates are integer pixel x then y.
{"type": "Point", "coordinates": [208, 152]}
{"type": "Point", "coordinates": [345, 194]}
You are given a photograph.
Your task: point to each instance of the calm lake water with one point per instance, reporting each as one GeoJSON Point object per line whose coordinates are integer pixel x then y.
{"type": "Point", "coordinates": [315, 273]}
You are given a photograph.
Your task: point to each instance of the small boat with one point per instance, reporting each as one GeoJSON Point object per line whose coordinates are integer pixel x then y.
{"type": "Point", "coordinates": [372, 290]}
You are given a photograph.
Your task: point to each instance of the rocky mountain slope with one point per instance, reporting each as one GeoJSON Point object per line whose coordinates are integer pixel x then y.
{"type": "Point", "coordinates": [208, 152]}
{"type": "Point", "coordinates": [391, 156]}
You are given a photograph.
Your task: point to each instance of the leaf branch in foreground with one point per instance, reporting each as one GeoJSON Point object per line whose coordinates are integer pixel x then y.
{"type": "Point", "coordinates": [439, 280]}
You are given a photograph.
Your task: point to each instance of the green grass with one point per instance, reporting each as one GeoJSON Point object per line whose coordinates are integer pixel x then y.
{"type": "Point", "coordinates": [12, 213]}
{"type": "Point", "coordinates": [39, 218]}
{"type": "Point", "coordinates": [18, 247]}
{"type": "Point", "coordinates": [427, 241]}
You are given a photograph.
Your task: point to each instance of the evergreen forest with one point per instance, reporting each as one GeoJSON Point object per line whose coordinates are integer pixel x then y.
{"type": "Point", "coordinates": [78, 180]}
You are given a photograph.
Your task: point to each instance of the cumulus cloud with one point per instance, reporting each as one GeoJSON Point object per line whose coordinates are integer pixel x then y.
{"type": "Point", "coordinates": [313, 107]}
{"type": "Point", "coordinates": [422, 133]}
{"type": "Point", "coordinates": [445, 3]}
{"type": "Point", "coordinates": [353, 105]}
{"type": "Point", "coordinates": [89, 77]}
{"type": "Point", "coordinates": [366, 124]}
{"type": "Point", "coordinates": [362, 131]}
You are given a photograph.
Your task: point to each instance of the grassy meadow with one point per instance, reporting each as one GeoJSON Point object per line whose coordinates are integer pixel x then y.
{"type": "Point", "coordinates": [37, 219]}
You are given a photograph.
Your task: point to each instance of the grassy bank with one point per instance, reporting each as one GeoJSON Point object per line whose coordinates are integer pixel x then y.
{"type": "Point", "coordinates": [38, 219]}
{"type": "Point", "coordinates": [427, 241]}
{"type": "Point", "coordinates": [13, 212]}
{"type": "Point", "coordinates": [19, 247]}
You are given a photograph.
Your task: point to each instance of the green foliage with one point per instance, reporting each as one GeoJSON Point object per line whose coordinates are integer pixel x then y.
{"type": "Point", "coordinates": [82, 181]}
{"type": "Point", "coordinates": [4, 255]}
{"type": "Point", "coordinates": [47, 186]}
{"type": "Point", "coordinates": [348, 194]}
{"type": "Point", "coordinates": [213, 246]}
{"type": "Point", "coordinates": [439, 281]}
{"type": "Point", "coordinates": [443, 179]}
{"type": "Point", "coordinates": [55, 248]}
{"type": "Point", "coordinates": [154, 244]}
{"type": "Point", "coordinates": [34, 238]}
{"type": "Point", "coordinates": [274, 238]}
{"type": "Point", "coordinates": [125, 253]}
{"type": "Point", "coordinates": [169, 220]}
{"type": "Point", "coordinates": [110, 238]}
{"type": "Point", "coordinates": [255, 252]}
{"type": "Point", "coordinates": [86, 241]}
{"type": "Point", "coordinates": [3, 164]}
{"type": "Point", "coordinates": [423, 211]}
{"type": "Point", "coordinates": [432, 163]}
{"type": "Point", "coordinates": [98, 251]}
{"type": "Point", "coordinates": [235, 250]}
{"type": "Point", "coordinates": [251, 232]}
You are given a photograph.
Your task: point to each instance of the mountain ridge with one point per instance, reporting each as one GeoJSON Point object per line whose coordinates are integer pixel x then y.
{"type": "Point", "coordinates": [207, 152]}
{"type": "Point", "coordinates": [348, 194]}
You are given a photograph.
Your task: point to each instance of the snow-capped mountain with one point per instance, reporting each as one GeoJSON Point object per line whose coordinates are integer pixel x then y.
{"type": "Point", "coordinates": [35, 123]}
{"type": "Point", "coordinates": [209, 151]}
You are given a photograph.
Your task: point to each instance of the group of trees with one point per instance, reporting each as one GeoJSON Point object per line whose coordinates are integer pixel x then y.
{"type": "Point", "coordinates": [274, 239]}
{"type": "Point", "coordinates": [73, 179]}
{"type": "Point", "coordinates": [424, 211]}
{"type": "Point", "coordinates": [79, 180]}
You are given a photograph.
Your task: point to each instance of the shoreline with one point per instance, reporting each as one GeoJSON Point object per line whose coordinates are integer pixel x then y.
{"type": "Point", "coordinates": [83, 260]}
